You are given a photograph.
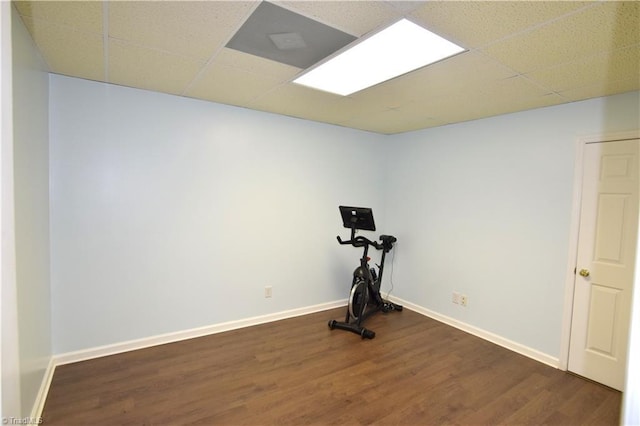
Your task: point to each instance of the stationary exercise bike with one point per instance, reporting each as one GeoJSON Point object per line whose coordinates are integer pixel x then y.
{"type": "Point", "coordinates": [365, 298]}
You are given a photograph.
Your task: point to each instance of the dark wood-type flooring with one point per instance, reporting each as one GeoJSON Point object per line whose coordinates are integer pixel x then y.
{"type": "Point", "coordinates": [416, 371]}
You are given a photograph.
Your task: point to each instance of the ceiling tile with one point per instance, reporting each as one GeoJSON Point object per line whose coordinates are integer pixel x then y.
{"type": "Point", "coordinates": [460, 73]}
{"type": "Point", "coordinates": [134, 66]}
{"type": "Point", "coordinates": [231, 85]}
{"type": "Point", "coordinates": [460, 106]}
{"type": "Point", "coordinates": [467, 68]}
{"type": "Point", "coordinates": [516, 94]}
{"type": "Point", "coordinates": [405, 7]}
{"type": "Point", "coordinates": [236, 78]}
{"type": "Point", "coordinates": [380, 122]}
{"type": "Point", "coordinates": [620, 64]}
{"type": "Point", "coordinates": [602, 88]}
{"type": "Point", "coordinates": [476, 23]}
{"type": "Point", "coordinates": [392, 121]}
{"type": "Point", "coordinates": [606, 26]}
{"type": "Point", "coordinates": [68, 52]}
{"type": "Point", "coordinates": [255, 64]}
{"type": "Point", "coordinates": [344, 109]}
{"type": "Point", "coordinates": [386, 95]}
{"type": "Point", "coordinates": [192, 28]}
{"type": "Point", "coordinates": [298, 101]}
{"type": "Point", "coordinates": [518, 88]}
{"type": "Point", "coordinates": [488, 99]}
{"type": "Point", "coordinates": [354, 17]}
{"type": "Point", "coordinates": [79, 15]}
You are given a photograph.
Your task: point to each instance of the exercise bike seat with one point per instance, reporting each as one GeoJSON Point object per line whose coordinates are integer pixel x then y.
{"type": "Point", "coordinates": [387, 242]}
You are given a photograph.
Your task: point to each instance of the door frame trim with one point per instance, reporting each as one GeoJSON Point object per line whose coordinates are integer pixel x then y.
{"type": "Point", "coordinates": [572, 257]}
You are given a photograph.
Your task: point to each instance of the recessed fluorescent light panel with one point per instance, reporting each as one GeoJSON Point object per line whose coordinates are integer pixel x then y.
{"type": "Point", "coordinates": [396, 50]}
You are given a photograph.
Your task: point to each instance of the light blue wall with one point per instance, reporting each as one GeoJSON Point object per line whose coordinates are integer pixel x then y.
{"type": "Point", "coordinates": [170, 213]}
{"type": "Point", "coordinates": [31, 183]}
{"type": "Point", "coordinates": [484, 208]}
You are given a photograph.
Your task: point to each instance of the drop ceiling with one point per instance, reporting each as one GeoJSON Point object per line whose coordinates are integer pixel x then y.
{"type": "Point", "coordinates": [520, 55]}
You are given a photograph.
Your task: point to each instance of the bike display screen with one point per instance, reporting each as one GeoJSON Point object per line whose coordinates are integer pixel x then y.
{"type": "Point", "coordinates": [357, 218]}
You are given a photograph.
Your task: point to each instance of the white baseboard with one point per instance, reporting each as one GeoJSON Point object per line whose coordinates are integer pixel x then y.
{"type": "Point", "coordinates": [131, 345]}
{"type": "Point", "coordinates": [38, 405]}
{"type": "Point", "coordinates": [483, 334]}
{"type": "Point", "coordinates": [146, 342]}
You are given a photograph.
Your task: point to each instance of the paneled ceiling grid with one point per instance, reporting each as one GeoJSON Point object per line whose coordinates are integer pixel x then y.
{"type": "Point", "coordinates": [521, 55]}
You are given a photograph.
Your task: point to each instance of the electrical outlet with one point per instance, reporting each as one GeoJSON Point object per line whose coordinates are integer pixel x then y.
{"type": "Point", "coordinates": [456, 298]}
{"type": "Point", "coordinates": [464, 300]}
{"type": "Point", "coordinates": [267, 291]}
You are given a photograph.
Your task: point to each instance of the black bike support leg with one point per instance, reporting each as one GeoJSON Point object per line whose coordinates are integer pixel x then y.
{"type": "Point", "coordinates": [354, 328]}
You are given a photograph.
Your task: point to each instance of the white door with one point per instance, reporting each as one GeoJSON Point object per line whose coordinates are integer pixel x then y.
{"type": "Point", "coordinates": [605, 263]}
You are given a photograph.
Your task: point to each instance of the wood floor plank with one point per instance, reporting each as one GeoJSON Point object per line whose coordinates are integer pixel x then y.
{"type": "Point", "coordinates": [416, 371]}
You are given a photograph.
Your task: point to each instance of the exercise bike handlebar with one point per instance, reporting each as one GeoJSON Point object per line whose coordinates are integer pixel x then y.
{"type": "Point", "coordinates": [360, 241]}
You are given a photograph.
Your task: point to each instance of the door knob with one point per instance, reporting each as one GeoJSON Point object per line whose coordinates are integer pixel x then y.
{"type": "Point", "coordinates": [584, 272]}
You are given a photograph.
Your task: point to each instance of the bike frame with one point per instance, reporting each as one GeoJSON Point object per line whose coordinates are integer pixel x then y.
{"type": "Point", "coordinates": [372, 300]}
